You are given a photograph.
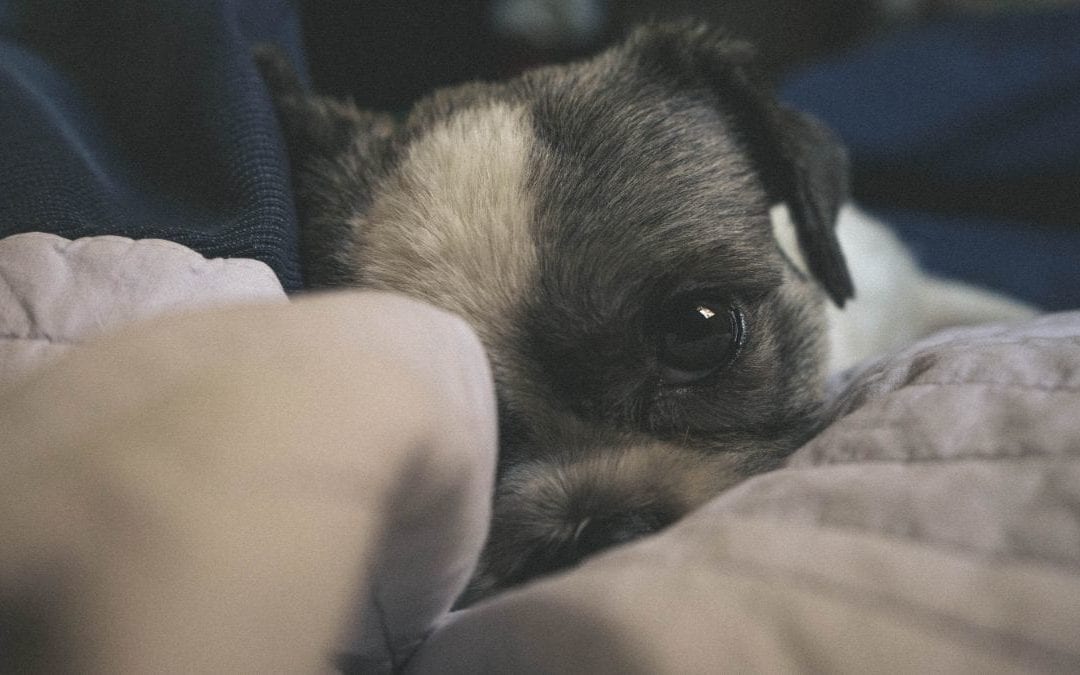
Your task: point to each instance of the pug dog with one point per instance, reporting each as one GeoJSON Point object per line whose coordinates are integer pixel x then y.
{"type": "Point", "coordinates": [605, 228]}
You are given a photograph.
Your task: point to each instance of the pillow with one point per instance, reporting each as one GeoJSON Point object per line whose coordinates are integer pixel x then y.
{"type": "Point", "coordinates": [931, 527]}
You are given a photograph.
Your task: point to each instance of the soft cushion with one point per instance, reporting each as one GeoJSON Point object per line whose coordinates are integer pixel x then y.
{"type": "Point", "coordinates": [932, 527]}
{"type": "Point", "coordinates": [55, 292]}
{"type": "Point", "coordinates": [273, 488]}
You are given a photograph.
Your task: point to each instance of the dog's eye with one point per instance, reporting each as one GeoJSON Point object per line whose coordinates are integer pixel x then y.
{"type": "Point", "coordinates": [697, 338]}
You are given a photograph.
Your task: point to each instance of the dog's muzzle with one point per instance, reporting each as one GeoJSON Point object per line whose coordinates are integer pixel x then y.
{"type": "Point", "coordinates": [552, 514]}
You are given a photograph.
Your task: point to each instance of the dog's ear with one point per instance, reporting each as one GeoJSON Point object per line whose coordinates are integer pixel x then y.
{"type": "Point", "coordinates": [805, 167]}
{"type": "Point", "coordinates": [316, 126]}
{"type": "Point", "coordinates": [800, 162]}
{"type": "Point", "coordinates": [337, 153]}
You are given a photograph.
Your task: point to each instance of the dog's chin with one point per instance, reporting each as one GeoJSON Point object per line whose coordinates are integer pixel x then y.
{"type": "Point", "coordinates": [551, 513]}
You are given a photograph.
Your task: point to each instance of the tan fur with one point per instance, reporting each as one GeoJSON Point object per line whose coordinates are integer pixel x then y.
{"type": "Point", "coordinates": [455, 218]}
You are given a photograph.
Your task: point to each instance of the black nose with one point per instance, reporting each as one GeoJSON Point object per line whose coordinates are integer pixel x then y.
{"type": "Point", "coordinates": [591, 535]}
{"type": "Point", "coordinates": [596, 534]}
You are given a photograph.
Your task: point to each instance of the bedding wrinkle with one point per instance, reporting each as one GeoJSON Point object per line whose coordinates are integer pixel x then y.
{"type": "Point", "coordinates": [1022, 651]}
{"type": "Point", "coordinates": [63, 292]}
{"type": "Point", "coordinates": [1036, 363]}
{"type": "Point", "coordinates": [768, 595]}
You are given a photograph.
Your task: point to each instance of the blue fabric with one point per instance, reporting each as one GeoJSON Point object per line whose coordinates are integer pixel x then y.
{"type": "Point", "coordinates": [147, 119]}
{"type": "Point", "coordinates": [972, 98]}
{"type": "Point", "coordinates": [1038, 264]}
{"type": "Point", "coordinates": [965, 137]}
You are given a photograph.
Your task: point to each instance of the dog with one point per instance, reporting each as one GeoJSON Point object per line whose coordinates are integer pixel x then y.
{"type": "Point", "coordinates": [605, 228]}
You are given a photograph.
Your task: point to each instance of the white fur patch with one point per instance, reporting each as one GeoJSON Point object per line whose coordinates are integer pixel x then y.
{"type": "Point", "coordinates": [784, 231]}
{"type": "Point", "coordinates": [896, 302]}
{"type": "Point", "coordinates": [453, 226]}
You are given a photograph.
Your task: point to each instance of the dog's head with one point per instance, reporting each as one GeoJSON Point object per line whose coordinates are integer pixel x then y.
{"type": "Point", "coordinates": [605, 228]}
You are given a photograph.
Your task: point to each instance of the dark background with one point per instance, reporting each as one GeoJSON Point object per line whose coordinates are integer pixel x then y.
{"type": "Point", "coordinates": [389, 52]}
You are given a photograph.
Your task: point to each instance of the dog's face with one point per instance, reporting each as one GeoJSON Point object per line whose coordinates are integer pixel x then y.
{"type": "Point", "coordinates": [604, 227]}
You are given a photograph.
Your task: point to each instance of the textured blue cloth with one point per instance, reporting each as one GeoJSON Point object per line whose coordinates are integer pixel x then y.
{"type": "Point", "coordinates": [965, 135]}
{"type": "Point", "coordinates": [147, 119]}
{"type": "Point", "coordinates": [1037, 264]}
{"type": "Point", "coordinates": [980, 98]}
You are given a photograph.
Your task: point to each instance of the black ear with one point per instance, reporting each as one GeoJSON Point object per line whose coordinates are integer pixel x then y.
{"type": "Point", "coordinates": [316, 126]}
{"type": "Point", "coordinates": [337, 153]}
{"type": "Point", "coordinates": [804, 166]}
{"type": "Point", "coordinates": [800, 162]}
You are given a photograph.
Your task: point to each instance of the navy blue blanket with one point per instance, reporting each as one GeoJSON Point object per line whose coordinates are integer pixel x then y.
{"type": "Point", "coordinates": [146, 119]}
{"type": "Point", "coordinates": [966, 136]}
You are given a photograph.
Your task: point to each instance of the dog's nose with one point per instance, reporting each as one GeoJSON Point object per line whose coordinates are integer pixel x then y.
{"type": "Point", "coordinates": [594, 534]}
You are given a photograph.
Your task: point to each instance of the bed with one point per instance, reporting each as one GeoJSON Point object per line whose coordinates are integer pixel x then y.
{"type": "Point", "coordinates": [201, 476]}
